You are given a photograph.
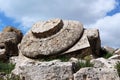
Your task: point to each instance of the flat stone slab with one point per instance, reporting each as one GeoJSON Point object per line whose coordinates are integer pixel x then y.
{"type": "Point", "coordinates": [33, 47]}
{"type": "Point", "coordinates": [52, 70]}
{"type": "Point", "coordinates": [83, 43]}
{"type": "Point", "coordinates": [96, 74]}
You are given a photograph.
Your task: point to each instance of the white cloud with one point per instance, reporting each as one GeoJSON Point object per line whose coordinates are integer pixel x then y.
{"type": "Point", "coordinates": [89, 12]}
{"type": "Point", "coordinates": [1, 23]}
{"type": "Point", "coordinates": [109, 27]}
{"type": "Point", "coordinates": [27, 12]}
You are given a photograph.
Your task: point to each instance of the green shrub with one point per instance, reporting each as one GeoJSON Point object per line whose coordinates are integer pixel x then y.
{"type": "Point", "coordinates": [85, 64]}
{"type": "Point", "coordinates": [10, 78]}
{"type": "Point", "coordinates": [13, 78]}
{"type": "Point", "coordinates": [107, 55]}
{"type": "Point", "coordinates": [6, 67]}
{"type": "Point", "coordinates": [63, 58]}
{"type": "Point", "coordinates": [88, 57]}
{"type": "Point", "coordinates": [117, 66]}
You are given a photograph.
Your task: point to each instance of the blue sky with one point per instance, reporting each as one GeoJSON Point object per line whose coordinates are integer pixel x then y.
{"type": "Point", "coordinates": [115, 10]}
{"type": "Point", "coordinates": [101, 14]}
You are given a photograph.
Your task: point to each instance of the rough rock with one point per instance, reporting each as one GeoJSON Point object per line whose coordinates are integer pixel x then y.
{"type": "Point", "coordinates": [115, 57]}
{"type": "Point", "coordinates": [52, 45]}
{"type": "Point", "coordinates": [8, 44]}
{"type": "Point", "coordinates": [109, 49]}
{"type": "Point", "coordinates": [88, 44]}
{"type": "Point", "coordinates": [104, 63]}
{"type": "Point", "coordinates": [48, 71]}
{"type": "Point", "coordinates": [35, 70]}
{"type": "Point", "coordinates": [96, 74]}
{"type": "Point", "coordinates": [94, 40]}
{"type": "Point", "coordinates": [117, 52]}
{"type": "Point", "coordinates": [13, 59]}
{"type": "Point", "coordinates": [2, 51]}
{"type": "Point", "coordinates": [14, 30]}
{"type": "Point", "coordinates": [9, 39]}
{"type": "Point", "coordinates": [74, 60]}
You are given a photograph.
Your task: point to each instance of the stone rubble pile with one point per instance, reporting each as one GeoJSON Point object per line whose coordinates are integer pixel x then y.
{"type": "Point", "coordinates": [9, 39]}
{"type": "Point", "coordinates": [43, 46]}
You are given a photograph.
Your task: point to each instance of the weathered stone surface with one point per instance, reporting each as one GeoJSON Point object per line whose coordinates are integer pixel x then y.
{"type": "Point", "coordinates": [88, 44]}
{"type": "Point", "coordinates": [115, 57]}
{"type": "Point", "coordinates": [53, 45]}
{"type": "Point", "coordinates": [34, 70]}
{"type": "Point", "coordinates": [47, 28]}
{"type": "Point", "coordinates": [94, 40]}
{"type": "Point", "coordinates": [2, 51]}
{"type": "Point", "coordinates": [14, 30]}
{"type": "Point", "coordinates": [8, 37]}
{"type": "Point", "coordinates": [105, 63]}
{"type": "Point", "coordinates": [81, 44]}
{"type": "Point", "coordinates": [8, 44]}
{"type": "Point", "coordinates": [48, 71]}
{"type": "Point", "coordinates": [96, 74]}
{"type": "Point", "coordinates": [13, 59]}
{"type": "Point", "coordinates": [109, 49]}
{"type": "Point", "coordinates": [117, 52]}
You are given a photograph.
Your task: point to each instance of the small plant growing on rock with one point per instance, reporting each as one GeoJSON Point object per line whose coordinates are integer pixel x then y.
{"type": "Point", "coordinates": [88, 57]}
{"type": "Point", "coordinates": [117, 66]}
{"type": "Point", "coordinates": [85, 64]}
{"type": "Point", "coordinates": [6, 67]}
{"type": "Point", "coordinates": [62, 58]}
{"type": "Point", "coordinates": [10, 77]}
{"type": "Point", "coordinates": [105, 54]}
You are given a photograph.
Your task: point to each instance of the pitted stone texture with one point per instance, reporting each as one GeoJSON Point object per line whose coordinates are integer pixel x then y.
{"type": "Point", "coordinates": [35, 70]}
{"type": "Point", "coordinates": [105, 63]}
{"type": "Point", "coordinates": [47, 28]}
{"type": "Point", "coordinates": [9, 42]}
{"type": "Point", "coordinates": [82, 44]}
{"type": "Point", "coordinates": [2, 51]}
{"type": "Point", "coordinates": [63, 40]}
{"type": "Point", "coordinates": [17, 32]}
{"type": "Point", "coordinates": [96, 74]}
{"type": "Point", "coordinates": [94, 40]}
{"type": "Point", "coordinates": [8, 36]}
{"type": "Point", "coordinates": [87, 45]}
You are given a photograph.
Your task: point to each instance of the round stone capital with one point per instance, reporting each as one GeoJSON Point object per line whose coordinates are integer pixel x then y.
{"type": "Point", "coordinates": [47, 28]}
{"type": "Point", "coordinates": [43, 41]}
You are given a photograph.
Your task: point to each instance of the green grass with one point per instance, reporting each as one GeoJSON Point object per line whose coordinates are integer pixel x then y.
{"type": "Point", "coordinates": [85, 64]}
{"type": "Point", "coordinates": [107, 55]}
{"type": "Point", "coordinates": [11, 78]}
{"type": "Point", "coordinates": [62, 58]}
{"type": "Point", "coordinates": [6, 67]}
{"type": "Point", "coordinates": [117, 66]}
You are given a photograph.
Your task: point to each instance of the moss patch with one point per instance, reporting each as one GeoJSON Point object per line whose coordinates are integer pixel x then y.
{"type": "Point", "coordinates": [117, 66]}
{"type": "Point", "coordinates": [6, 67]}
